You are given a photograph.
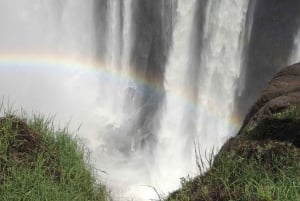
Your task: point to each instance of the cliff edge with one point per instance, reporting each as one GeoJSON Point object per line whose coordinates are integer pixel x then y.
{"type": "Point", "coordinates": [262, 162]}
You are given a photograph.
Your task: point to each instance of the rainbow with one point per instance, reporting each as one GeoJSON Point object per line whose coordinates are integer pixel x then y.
{"type": "Point", "coordinates": [57, 62]}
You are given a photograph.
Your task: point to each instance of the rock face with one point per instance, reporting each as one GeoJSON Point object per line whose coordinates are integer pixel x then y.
{"type": "Point", "coordinates": [274, 25]}
{"type": "Point", "coordinates": [275, 115]}
{"type": "Point", "coordinates": [281, 92]}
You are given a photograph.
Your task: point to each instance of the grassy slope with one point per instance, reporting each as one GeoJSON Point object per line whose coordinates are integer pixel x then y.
{"type": "Point", "coordinates": [262, 164]}
{"type": "Point", "coordinates": [39, 163]}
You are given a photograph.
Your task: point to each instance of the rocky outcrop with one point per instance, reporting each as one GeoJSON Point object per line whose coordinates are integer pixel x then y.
{"type": "Point", "coordinates": [281, 92]}
{"type": "Point", "coordinates": [276, 111]}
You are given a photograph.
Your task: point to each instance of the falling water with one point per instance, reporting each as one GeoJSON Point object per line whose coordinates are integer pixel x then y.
{"type": "Point", "coordinates": [170, 151]}
{"type": "Point", "coordinates": [295, 57]}
{"type": "Point", "coordinates": [220, 69]}
{"type": "Point", "coordinates": [116, 84]}
{"type": "Point", "coordinates": [145, 79]}
{"type": "Point", "coordinates": [211, 104]}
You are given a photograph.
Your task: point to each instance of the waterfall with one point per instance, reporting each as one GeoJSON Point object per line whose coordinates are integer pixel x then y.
{"type": "Point", "coordinates": [171, 151]}
{"type": "Point", "coordinates": [295, 56]}
{"type": "Point", "coordinates": [117, 55]}
{"type": "Point", "coordinates": [147, 80]}
{"type": "Point", "coordinates": [209, 102]}
{"type": "Point", "coordinates": [165, 77]}
{"type": "Point", "coordinates": [220, 69]}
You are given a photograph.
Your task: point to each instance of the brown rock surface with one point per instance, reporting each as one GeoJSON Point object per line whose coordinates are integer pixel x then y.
{"type": "Point", "coordinates": [280, 93]}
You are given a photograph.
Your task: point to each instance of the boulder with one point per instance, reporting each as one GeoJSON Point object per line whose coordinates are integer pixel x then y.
{"type": "Point", "coordinates": [282, 93]}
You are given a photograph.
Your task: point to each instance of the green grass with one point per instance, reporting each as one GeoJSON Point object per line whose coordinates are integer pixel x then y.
{"type": "Point", "coordinates": [260, 164]}
{"type": "Point", "coordinates": [252, 171]}
{"type": "Point", "coordinates": [38, 162]}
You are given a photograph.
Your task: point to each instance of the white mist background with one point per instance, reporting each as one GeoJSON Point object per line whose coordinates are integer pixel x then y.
{"type": "Point", "coordinates": [40, 40]}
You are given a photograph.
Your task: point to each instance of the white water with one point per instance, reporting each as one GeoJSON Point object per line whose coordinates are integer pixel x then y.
{"type": "Point", "coordinates": [220, 69]}
{"type": "Point", "coordinates": [95, 100]}
{"type": "Point", "coordinates": [114, 87]}
{"type": "Point", "coordinates": [171, 151]}
{"type": "Point", "coordinates": [295, 56]}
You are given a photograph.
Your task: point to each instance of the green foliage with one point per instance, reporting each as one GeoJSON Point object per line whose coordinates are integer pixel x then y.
{"type": "Point", "coordinates": [281, 126]}
{"type": "Point", "coordinates": [252, 170]}
{"type": "Point", "coordinates": [292, 112]}
{"type": "Point", "coordinates": [39, 163]}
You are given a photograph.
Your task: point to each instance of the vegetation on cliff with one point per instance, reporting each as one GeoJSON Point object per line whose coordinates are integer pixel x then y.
{"type": "Point", "coordinates": [262, 163]}
{"type": "Point", "coordinates": [38, 162]}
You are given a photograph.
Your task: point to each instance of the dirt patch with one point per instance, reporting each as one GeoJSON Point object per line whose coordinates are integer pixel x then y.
{"type": "Point", "coordinates": [20, 138]}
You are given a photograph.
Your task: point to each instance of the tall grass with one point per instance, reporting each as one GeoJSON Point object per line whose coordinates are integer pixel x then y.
{"type": "Point", "coordinates": [260, 164]}
{"type": "Point", "coordinates": [38, 162]}
{"type": "Point", "coordinates": [251, 171]}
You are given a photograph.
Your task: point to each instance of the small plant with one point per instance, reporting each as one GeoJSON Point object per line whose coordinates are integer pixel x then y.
{"type": "Point", "coordinates": [205, 161]}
